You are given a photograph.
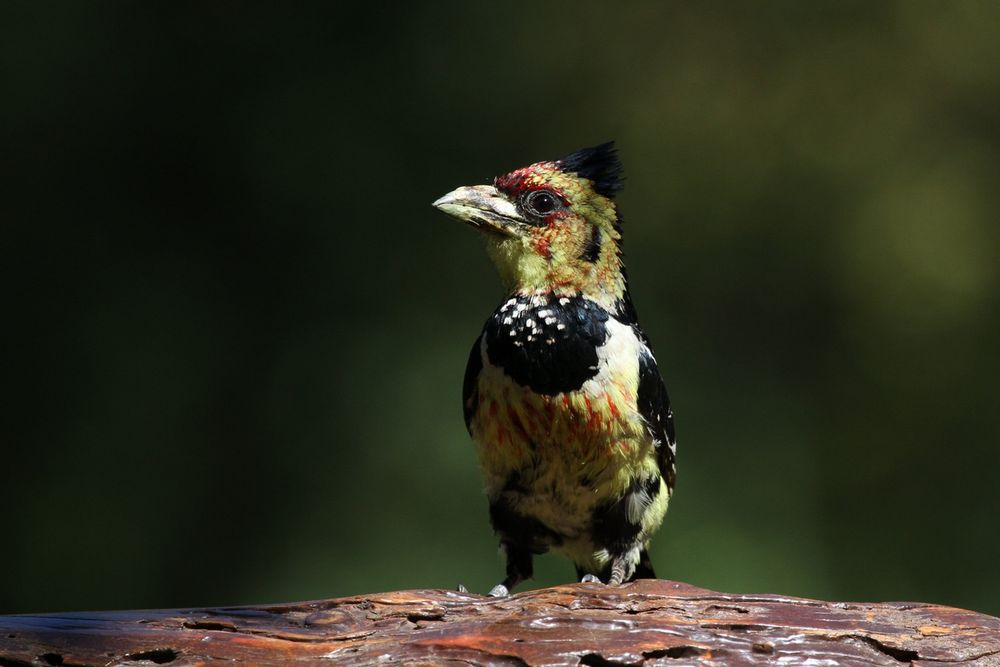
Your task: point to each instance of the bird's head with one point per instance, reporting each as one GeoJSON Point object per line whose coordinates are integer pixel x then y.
{"type": "Point", "coordinates": [552, 226]}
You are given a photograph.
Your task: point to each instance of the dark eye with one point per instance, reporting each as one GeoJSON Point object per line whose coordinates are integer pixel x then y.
{"type": "Point", "coordinates": [541, 202]}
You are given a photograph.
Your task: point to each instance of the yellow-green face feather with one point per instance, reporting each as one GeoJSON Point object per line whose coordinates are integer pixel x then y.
{"type": "Point", "coordinates": [575, 250]}
{"type": "Point", "coordinates": [547, 230]}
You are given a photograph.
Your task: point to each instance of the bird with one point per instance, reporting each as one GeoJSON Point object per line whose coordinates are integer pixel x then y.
{"type": "Point", "coordinates": [562, 394]}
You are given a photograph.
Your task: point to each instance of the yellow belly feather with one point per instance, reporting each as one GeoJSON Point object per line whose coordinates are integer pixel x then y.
{"type": "Point", "coordinates": [571, 452]}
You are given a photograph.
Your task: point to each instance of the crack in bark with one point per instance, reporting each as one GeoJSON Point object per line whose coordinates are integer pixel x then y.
{"type": "Point", "coordinates": [673, 652]}
{"type": "Point", "coordinates": [160, 656]}
{"type": "Point", "coordinates": [899, 654]}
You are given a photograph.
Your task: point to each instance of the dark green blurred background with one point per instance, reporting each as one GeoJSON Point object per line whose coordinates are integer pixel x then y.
{"type": "Point", "coordinates": [236, 329]}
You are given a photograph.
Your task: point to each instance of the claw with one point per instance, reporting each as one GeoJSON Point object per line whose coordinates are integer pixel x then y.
{"type": "Point", "coordinates": [590, 579]}
{"type": "Point", "coordinates": [462, 589]}
{"type": "Point", "coordinates": [499, 591]}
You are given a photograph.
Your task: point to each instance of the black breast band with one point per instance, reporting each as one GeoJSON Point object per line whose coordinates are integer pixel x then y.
{"type": "Point", "coordinates": [547, 343]}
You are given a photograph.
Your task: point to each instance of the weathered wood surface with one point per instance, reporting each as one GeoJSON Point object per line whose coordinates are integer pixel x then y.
{"type": "Point", "coordinates": [644, 623]}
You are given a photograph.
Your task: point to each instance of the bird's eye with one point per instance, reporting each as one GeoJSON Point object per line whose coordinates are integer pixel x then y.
{"type": "Point", "coordinates": [541, 202]}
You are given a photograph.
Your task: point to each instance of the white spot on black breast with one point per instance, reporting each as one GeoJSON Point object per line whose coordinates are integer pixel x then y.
{"type": "Point", "coordinates": [552, 352]}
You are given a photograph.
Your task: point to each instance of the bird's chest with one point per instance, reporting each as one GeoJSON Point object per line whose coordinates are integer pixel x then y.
{"type": "Point", "coordinates": [557, 392]}
{"type": "Point", "coordinates": [546, 344]}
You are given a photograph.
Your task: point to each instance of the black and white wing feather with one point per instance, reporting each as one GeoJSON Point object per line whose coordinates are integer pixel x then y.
{"type": "Point", "coordinates": [470, 391]}
{"type": "Point", "coordinates": [654, 406]}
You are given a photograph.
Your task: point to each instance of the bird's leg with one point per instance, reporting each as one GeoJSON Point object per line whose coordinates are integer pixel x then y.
{"type": "Point", "coordinates": [519, 568]}
{"type": "Point", "coordinates": [617, 571]}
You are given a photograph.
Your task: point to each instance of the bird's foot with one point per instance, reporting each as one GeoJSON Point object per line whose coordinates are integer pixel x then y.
{"type": "Point", "coordinates": [590, 579]}
{"type": "Point", "coordinates": [499, 591]}
{"type": "Point", "coordinates": [617, 572]}
{"type": "Point", "coordinates": [461, 589]}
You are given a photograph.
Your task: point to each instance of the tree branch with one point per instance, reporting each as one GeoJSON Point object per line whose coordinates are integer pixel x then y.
{"type": "Point", "coordinates": [644, 623]}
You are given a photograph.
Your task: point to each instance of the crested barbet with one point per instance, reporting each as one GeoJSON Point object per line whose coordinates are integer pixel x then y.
{"type": "Point", "coordinates": [562, 395]}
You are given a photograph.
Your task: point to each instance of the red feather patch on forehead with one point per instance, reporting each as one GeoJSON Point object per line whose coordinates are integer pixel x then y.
{"type": "Point", "coordinates": [525, 178]}
{"type": "Point", "coordinates": [598, 164]}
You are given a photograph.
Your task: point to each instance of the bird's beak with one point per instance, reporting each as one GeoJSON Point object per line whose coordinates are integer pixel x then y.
{"type": "Point", "coordinates": [483, 207]}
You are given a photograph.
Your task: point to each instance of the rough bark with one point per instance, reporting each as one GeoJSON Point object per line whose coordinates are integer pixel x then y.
{"type": "Point", "coordinates": [644, 623]}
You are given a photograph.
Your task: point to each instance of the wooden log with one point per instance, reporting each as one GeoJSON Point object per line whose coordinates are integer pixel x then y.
{"type": "Point", "coordinates": [643, 623]}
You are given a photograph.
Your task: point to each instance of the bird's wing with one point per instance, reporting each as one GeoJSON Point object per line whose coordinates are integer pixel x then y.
{"type": "Point", "coordinates": [470, 391]}
{"type": "Point", "coordinates": [654, 406]}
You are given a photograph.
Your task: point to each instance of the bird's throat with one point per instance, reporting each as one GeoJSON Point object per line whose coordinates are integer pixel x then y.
{"type": "Point", "coordinates": [525, 272]}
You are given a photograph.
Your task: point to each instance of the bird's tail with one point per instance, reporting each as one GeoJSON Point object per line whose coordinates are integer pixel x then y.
{"type": "Point", "coordinates": [644, 570]}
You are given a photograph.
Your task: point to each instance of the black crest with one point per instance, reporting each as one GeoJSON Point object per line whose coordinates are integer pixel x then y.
{"type": "Point", "coordinates": [600, 164]}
